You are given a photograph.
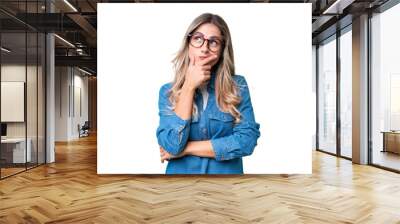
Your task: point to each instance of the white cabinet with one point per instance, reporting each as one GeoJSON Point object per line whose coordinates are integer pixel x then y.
{"type": "Point", "coordinates": [18, 149]}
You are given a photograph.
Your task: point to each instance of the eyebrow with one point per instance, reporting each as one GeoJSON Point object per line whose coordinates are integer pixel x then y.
{"type": "Point", "coordinates": [211, 37]}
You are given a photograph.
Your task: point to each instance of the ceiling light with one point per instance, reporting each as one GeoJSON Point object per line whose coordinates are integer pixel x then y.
{"type": "Point", "coordinates": [70, 5]}
{"type": "Point", "coordinates": [338, 6]}
{"type": "Point", "coordinates": [64, 40]}
{"type": "Point", "coordinates": [84, 71]}
{"type": "Point", "coordinates": [5, 50]}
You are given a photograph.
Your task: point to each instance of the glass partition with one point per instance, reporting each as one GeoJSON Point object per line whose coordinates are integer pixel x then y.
{"type": "Point", "coordinates": [32, 95]}
{"type": "Point", "coordinates": [22, 67]}
{"type": "Point", "coordinates": [13, 108]}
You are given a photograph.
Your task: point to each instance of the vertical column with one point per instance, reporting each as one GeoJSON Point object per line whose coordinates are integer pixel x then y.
{"type": "Point", "coordinates": [360, 90]}
{"type": "Point", "coordinates": [338, 98]}
{"type": "Point", "coordinates": [314, 89]}
{"type": "Point", "coordinates": [50, 92]}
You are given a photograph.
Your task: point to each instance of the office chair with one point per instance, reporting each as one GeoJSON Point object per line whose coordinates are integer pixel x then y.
{"type": "Point", "coordinates": [84, 130]}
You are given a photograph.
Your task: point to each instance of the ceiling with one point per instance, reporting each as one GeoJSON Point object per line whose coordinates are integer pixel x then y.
{"type": "Point", "coordinates": [76, 22]}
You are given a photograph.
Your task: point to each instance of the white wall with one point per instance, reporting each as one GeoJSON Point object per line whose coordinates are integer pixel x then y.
{"type": "Point", "coordinates": [80, 83]}
{"type": "Point", "coordinates": [70, 83]}
{"type": "Point", "coordinates": [61, 103]}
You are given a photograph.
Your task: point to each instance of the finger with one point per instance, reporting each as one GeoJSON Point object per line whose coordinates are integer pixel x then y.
{"type": "Point", "coordinates": [206, 73]}
{"type": "Point", "coordinates": [207, 60]}
{"type": "Point", "coordinates": [206, 67]}
{"type": "Point", "coordinates": [165, 157]}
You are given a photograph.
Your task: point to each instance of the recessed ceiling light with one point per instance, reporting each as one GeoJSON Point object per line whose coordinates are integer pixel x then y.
{"type": "Point", "coordinates": [70, 5]}
{"type": "Point", "coordinates": [84, 71]}
{"type": "Point", "coordinates": [338, 6]}
{"type": "Point", "coordinates": [5, 50]}
{"type": "Point", "coordinates": [64, 40]}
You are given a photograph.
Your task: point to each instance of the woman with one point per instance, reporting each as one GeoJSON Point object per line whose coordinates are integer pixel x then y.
{"type": "Point", "coordinates": [206, 118]}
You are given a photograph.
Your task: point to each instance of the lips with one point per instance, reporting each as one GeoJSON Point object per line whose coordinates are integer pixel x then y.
{"type": "Point", "coordinates": [203, 57]}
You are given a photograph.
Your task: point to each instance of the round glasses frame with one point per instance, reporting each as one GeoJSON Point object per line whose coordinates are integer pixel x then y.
{"type": "Point", "coordinates": [204, 40]}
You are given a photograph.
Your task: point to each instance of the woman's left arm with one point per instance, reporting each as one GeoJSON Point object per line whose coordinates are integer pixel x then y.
{"type": "Point", "coordinates": [195, 148]}
{"type": "Point", "coordinates": [244, 135]}
{"type": "Point", "coordinates": [240, 143]}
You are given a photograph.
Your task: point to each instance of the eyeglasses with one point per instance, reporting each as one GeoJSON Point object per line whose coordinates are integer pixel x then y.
{"type": "Point", "coordinates": [197, 40]}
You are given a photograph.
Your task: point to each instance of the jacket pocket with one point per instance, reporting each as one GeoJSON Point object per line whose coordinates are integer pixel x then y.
{"type": "Point", "coordinates": [221, 124]}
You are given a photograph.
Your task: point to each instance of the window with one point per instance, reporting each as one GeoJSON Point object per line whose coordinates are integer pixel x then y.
{"type": "Point", "coordinates": [385, 88]}
{"type": "Point", "coordinates": [327, 96]}
{"type": "Point", "coordinates": [346, 93]}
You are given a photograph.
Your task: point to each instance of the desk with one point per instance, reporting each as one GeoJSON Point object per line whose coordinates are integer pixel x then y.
{"type": "Point", "coordinates": [391, 141]}
{"type": "Point", "coordinates": [15, 148]}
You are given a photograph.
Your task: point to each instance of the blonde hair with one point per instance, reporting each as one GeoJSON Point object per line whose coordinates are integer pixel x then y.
{"type": "Point", "coordinates": [226, 91]}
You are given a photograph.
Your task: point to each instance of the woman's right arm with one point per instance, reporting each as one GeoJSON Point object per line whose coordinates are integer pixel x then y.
{"type": "Point", "coordinates": [184, 106]}
{"type": "Point", "coordinates": [174, 128]}
{"type": "Point", "coordinates": [197, 74]}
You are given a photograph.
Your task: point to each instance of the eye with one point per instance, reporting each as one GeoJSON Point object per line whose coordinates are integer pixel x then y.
{"type": "Point", "coordinates": [198, 39]}
{"type": "Point", "coordinates": [214, 43]}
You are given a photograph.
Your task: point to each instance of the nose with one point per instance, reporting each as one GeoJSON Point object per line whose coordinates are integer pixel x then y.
{"type": "Point", "coordinates": [204, 47]}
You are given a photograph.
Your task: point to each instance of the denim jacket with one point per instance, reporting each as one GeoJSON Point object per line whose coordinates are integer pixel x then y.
{"type": "Point", "coordinates": [230, 141]}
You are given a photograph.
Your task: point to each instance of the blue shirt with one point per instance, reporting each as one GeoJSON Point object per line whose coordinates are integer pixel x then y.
{"type": "Point", "coordinates": [230, 141]}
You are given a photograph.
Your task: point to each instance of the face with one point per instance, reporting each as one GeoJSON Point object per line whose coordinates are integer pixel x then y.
{"type": "Point", "coordinates": [212, 45]}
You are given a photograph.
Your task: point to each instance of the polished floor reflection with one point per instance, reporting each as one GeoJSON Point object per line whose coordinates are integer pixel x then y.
{"type": "Point", "coordinates": [387, 159]}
